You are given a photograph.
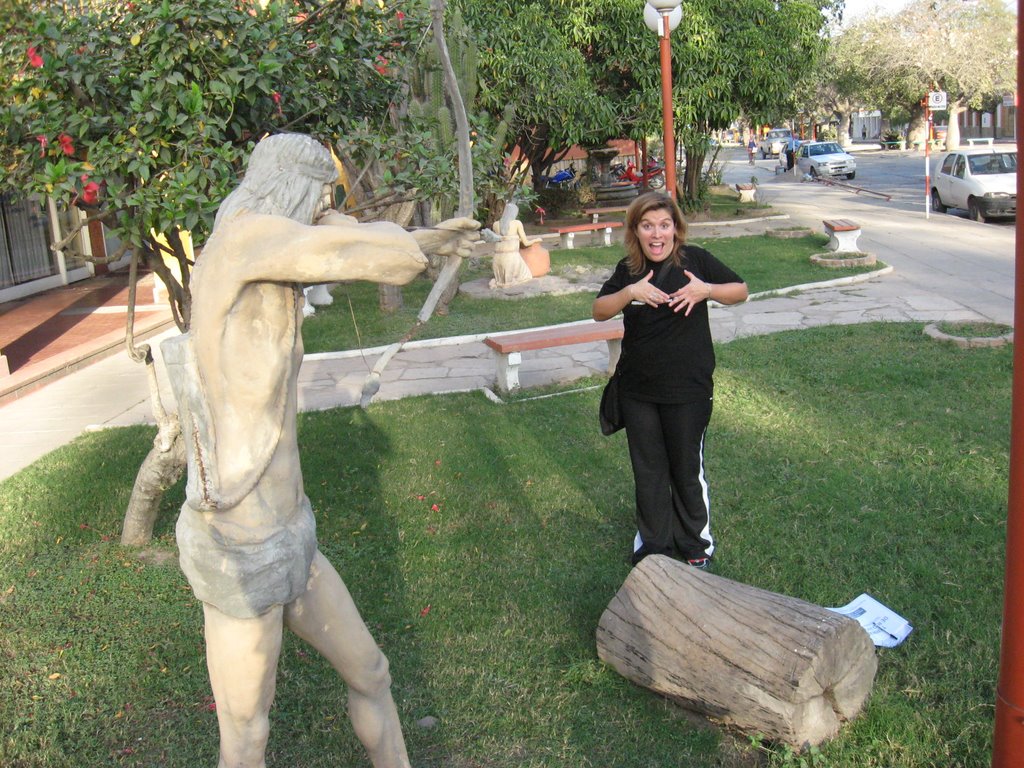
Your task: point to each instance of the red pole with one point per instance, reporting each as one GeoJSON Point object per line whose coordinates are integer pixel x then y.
{"type": "Point", "coordinates": [1008, 741]}
{"type": "Point", "coordinates": [666, 107]}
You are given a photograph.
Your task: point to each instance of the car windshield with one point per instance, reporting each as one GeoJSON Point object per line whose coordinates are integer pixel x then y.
{"type": "Point", "coordinates": [826, 149]}
{"type": "Point", "coordinates": [778, 134]}
{"type": "Point", "coordinates": [997, 162]}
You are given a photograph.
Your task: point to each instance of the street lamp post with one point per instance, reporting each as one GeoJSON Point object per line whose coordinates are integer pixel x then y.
{"type": "Point", "coordinates": [662, 16]}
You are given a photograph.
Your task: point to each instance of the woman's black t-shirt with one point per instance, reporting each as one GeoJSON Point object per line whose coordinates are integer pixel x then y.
{"type": "Point", "coordinates": [668, 357]}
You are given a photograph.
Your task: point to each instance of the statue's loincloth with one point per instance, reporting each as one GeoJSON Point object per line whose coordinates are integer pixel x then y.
{"type": "Point", "coordinates": [245, 571]}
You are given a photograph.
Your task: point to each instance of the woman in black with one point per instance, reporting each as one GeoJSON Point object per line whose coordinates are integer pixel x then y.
{"type": "Point", "coordinates": [662, 288]}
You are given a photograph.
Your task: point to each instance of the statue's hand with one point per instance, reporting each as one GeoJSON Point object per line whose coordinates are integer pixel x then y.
{"type": "Point", "coordinates": [336, 219]}
{"type": "Point", "coordinates": [452, 237]}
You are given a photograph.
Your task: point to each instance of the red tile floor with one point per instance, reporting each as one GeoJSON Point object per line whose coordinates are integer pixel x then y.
{"type": "Point", "coordinates": [52, 333]}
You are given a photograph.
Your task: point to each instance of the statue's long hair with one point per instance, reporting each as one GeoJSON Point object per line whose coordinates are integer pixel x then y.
{"type": "Point", "coordinates": [647, 202]}
{"type": "Point", "coordinates": [285, 176]}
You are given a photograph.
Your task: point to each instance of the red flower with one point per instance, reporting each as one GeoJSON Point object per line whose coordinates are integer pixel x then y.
{"type": "Point", "coordinates": [382, 65]}
{"type": "Point", "coordinates": [434, 508]}
{"type": "Point", "coordinates": [67, 145]}
{"type": "Point", "coordinates": [43, 142]}
{"type": "Point", "coordinates": [34, 57]}
{"type": "Point", "coordinates": [91, 193]}
{"type": "Point", "coordinates": [399, 17]}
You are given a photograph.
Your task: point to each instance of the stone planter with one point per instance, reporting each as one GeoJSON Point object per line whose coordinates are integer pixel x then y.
{"type": "Point", "coordinates": [850, 260]}
{"type": "Point", "coordinates": [786, 234]}
{"type": "Point", "coordinates": [968, 342]}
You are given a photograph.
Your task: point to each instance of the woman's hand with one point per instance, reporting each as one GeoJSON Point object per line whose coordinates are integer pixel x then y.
{"type": "Point", "coordinates": [691, 294]}
{"type": "Point", "coordinates": [643, 291]}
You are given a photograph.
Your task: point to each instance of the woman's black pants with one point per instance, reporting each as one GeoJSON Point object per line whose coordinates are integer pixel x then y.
{"type": "Point", "coordinates": [666, 448]}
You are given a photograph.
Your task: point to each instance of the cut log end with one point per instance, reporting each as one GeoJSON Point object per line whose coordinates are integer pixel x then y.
{"type": "Point", "coordinates": [764, 662]}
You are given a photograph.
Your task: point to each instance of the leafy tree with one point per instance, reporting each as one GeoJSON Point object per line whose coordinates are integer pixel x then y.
{"type": "Point", "coordinates": [967, 50]}
{"type": "Point", "coordinates": [728, 57]}
{"type": "Point", "coordinates": [142, 113]}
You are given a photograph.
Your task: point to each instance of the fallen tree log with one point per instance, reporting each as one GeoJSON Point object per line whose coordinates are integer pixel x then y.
{"type": "Point", "coordinates": [763, 662]}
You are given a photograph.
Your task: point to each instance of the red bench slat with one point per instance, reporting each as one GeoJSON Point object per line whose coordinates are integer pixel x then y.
{"type": "Point", "coordinates": [555, 337]}
{"type": "Point", "coordinates": [841, 225]}
{"type": "Point", "coordinates": [587, 227]}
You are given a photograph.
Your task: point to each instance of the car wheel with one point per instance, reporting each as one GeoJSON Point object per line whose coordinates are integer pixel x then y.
{"type": "Point", "coordinates": [974, 212]}
{"type": "Point", "coordinates": [937, 205]}
{"type": "Point", "coordinates": [851, 175]}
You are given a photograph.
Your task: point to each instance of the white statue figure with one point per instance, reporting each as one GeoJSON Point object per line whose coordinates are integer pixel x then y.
{"type": "Point", "coordinates": [509, 266]}
{"type": "Point", "coordinates": [246, 533]}
{"type": "Point", "coordinates": [318, 295]}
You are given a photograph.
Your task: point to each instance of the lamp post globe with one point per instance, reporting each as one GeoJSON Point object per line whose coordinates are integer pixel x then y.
{"type": "Point", "coordinates": [653, 17]}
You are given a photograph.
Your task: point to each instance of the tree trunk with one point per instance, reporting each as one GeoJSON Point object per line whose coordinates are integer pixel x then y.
{"type": "Point", "coordinates": [165, 463]}
{"type": "Point", "coordinates": [766, 663]}
{"type": "Point", "coordinates": [161, 469]}
{"type": "Point", "coordinates": [953, 125]}
{"type": "Point", "coordinates": [390, 298]}
{"type": "Point", "coordinates": [691, 175]}
{"type": "Point", "coordinates": [843, 113]}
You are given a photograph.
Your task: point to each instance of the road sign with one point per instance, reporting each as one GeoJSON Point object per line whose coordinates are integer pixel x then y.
{"type": "Point", "coordinates": [936, 100]}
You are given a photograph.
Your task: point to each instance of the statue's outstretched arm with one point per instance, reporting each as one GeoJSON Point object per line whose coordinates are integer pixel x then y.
{"type": "Point", "coordinates": [279, 249]}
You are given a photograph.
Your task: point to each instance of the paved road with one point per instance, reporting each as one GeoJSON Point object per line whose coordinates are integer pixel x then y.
{"type": "Point", "coordinates": [951, 256]}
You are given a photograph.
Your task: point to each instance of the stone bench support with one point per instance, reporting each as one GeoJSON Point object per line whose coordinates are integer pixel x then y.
{"type": "Point", "coordinates": [508, 347]}
{"type": "Point", "coordinates": [843, 235]}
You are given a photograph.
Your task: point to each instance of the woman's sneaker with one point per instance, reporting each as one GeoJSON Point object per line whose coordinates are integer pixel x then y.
{"type": "Point", "coordinates": [699, 562]}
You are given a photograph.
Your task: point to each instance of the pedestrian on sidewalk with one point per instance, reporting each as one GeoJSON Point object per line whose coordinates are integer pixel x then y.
{"type": "Point", "coordinates": [662, 288]}
{"type": "Point", "coordinates": [751, 149]}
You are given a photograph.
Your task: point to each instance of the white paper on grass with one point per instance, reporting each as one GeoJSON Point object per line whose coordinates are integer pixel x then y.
{"type": "Point", "coordinates": [885, 628]}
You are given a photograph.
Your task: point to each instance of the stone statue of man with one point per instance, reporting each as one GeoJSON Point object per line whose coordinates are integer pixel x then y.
{"type": "Point", "coordinates": [246, 533]}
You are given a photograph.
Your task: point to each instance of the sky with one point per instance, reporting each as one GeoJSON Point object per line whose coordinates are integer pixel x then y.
{"type": "Point", "coordinates": [859, 8]}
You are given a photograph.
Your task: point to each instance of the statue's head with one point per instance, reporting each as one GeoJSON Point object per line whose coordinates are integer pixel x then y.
{"type": "Point", "coordinates": [286, 176]}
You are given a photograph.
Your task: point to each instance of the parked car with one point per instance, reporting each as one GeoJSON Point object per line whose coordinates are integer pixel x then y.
{"type": "Point", "coordinates": [774, 142]}
{"type": "Point", "coordinates": [979, 180]}
{"type": "Point", "coordinates": [825, 158]}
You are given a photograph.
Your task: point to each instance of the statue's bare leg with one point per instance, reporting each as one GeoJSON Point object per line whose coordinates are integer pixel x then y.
{"type": "Point", "coordinates": [326, 617]}
{"type": "Point", "coordinates": [242, 655]}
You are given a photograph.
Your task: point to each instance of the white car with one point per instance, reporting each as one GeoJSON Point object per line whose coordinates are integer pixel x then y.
{"type": "Point", "coordinates": [825, 158]}
{"type": "Point", "coordinates": [979, 180]}
{"type": "Point", "coordinates": [774, 142]}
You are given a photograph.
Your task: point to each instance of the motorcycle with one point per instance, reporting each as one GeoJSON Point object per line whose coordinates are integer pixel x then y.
{"type": "Point", "coordinates": [564, 179]}
{"type": "Point", "coordinates": [653, 175]}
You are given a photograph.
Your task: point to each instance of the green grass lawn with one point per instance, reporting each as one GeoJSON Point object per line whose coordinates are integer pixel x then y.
{"type": "Point", "coordinates": [482, 543]}
{"type": "Point", "coordinates": [354, 321]}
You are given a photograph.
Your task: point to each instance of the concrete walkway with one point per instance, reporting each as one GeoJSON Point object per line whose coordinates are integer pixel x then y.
{"type": "Point", "coordinates": [944, 268]}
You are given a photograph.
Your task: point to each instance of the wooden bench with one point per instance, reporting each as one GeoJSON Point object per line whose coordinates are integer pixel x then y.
{"type": "Point", "coordinates": [596, 213]}
{"type": "Point", "coordinates": [747, 192]}
{"type": "Point", "coordinates": [566, 234]}
{"type": "Point", "coordinates": [843, 235]}
{"type": "Point", "coordinates": [508, 347]}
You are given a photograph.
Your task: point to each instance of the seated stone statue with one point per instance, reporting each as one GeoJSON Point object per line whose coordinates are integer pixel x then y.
{"type": "Point", "coordinates": [510, 268]}
{"type": "Point", "coordinates": [246, 533]}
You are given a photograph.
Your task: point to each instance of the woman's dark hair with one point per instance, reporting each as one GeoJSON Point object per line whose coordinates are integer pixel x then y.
{"type": "Point", "coordinates": [647, 202]}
